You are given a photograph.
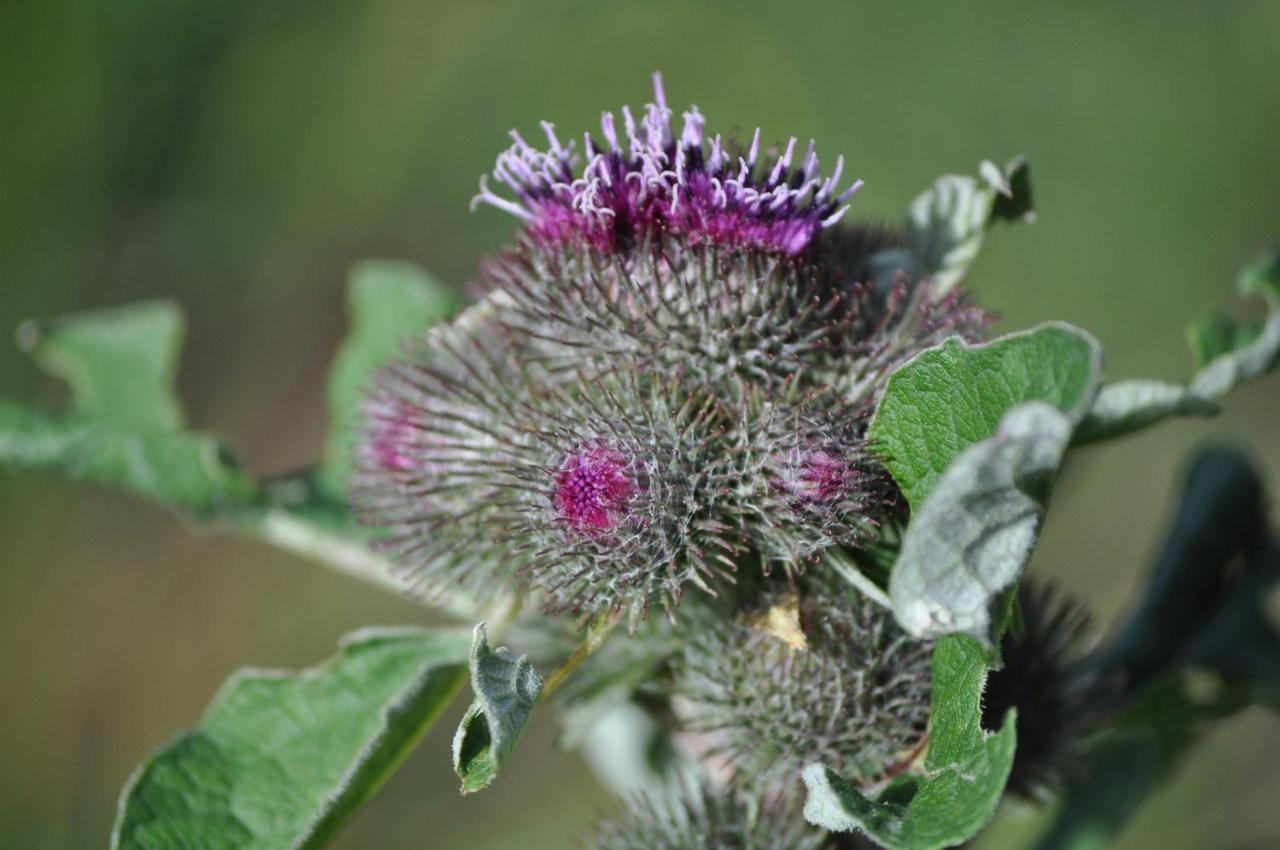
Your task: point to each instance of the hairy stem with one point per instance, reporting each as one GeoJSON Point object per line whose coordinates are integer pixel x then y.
{"type": "Point", "coordinates": [351, 558]}
{"type": "Point", "coordinates": [597, 632]}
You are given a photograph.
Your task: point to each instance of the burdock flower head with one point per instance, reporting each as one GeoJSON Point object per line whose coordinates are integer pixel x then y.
{"type": "Point", "coordinates": [603, 495]}
{"type": "Point", "coordinates": [806, 671]}
{"type": "Point", "coordinates": [669, 375]}
{"type": "Point", "coordinates": [643, 180]}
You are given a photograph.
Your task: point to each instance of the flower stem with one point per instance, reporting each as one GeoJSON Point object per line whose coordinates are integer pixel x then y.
{"type": "Point", "coordinates": [351, 558]}
{"type": "Point", "coordinates": [596, 634]}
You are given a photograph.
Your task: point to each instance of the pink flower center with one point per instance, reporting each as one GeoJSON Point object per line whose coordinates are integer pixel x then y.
{"type": "Point", "coordinates": [816, 477]}
{"type": "Point", "coordinates": [592, 489]}
{"type": "Point", "coordinates": [825, 476]}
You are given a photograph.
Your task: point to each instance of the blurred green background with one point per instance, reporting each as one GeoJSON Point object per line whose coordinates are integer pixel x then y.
{"type": "Point", "coordinates": [239, 155]}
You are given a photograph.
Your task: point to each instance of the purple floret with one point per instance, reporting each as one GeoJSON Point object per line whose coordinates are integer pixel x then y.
{"type": "Point", "coordinates": [649, 182]}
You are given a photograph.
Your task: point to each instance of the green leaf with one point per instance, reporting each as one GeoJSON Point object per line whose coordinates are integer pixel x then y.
{"type": "Point", "coordinates": [946, 224]}
{"type": "Point", "coordinates": [989, 500]}
{"type": "Point", "coordinates": [506, 688]}
{"type": "Point", "coordinates": [1226, 353]}
{"type": "Point", "coordinates": [1213, 335]}
{"type": "Point", "coordinates": [120, 363]}
{"type": "Point", "coordinates": [953, 395]}
{"type": "Point", "coordinates": [388, 303]}
{"type": "Point", "coordinates": [971, 538]}
{"type": "Point", "coordinates": [284, 759]}
{"type": "Point", "coordinates": [123, 430]}
{"type": "Point", "coordinates": [1261, 277]}
{"type": "Point", "coordinates": [186, 470]}
{"type": "Point", "coordinates": [965, 769]}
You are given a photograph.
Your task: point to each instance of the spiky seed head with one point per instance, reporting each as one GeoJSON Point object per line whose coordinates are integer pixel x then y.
{"type": "Point", "coordinates": [603, 495]}
{"type": "Point", "coordinates": [811, 671]}
{"type": "Point", "coordinates": [702, 818]}
{"type": "Point", "coordinates": [721, 317]}
{"type": "Point", "coordinates": [806, 479]}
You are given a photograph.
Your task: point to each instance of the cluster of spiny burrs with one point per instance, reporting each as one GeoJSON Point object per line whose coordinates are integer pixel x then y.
{"type": "Point", "coordinates": [669, 374]}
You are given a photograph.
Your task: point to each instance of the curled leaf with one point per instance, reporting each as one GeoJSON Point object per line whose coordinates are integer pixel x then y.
{"type": "Point", "coordinates": [953, 395]}
{"type": "Point", "coordinates": [506, 688]}
{"type": "Point", "coordinates": [971, 538]}
{"type": "Point", "coordinates": [946, 224]}
{"type": "Point", "coordinates": [965, 768]}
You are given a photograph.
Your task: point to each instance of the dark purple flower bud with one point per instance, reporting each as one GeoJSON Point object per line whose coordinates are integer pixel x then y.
{"type": "Point", "coordinates": [646, 181]}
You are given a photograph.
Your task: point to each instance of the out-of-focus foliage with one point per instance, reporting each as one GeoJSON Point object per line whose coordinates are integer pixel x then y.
{"type": "Point", "coordinates": [124, 427]}
{"type": "Point", "coordinates": [389, 303]}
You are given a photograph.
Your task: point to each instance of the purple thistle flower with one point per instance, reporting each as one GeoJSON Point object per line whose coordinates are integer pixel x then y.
{"type": "Point", "coordinates": [646, 181]}
{"type": "Point", "coordinates": [675, 363]}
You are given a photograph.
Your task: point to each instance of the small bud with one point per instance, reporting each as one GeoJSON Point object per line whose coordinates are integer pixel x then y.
{"type": "Point", "coordinates": [853, 692]}
{"type": "Point", "coordinates": [807, 479]}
